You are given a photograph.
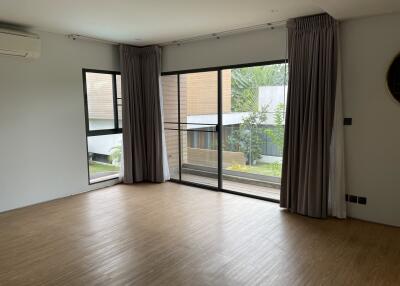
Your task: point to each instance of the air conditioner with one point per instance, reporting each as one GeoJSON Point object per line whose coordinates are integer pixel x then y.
{"type": "Point", "coordinates": [19, 44]}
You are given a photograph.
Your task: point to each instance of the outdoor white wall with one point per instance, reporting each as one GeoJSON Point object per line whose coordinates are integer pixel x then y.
{"type": "Point", "coordinates": [256, 46]}
{"type": "Point", "coordinates": [272, 96]}
{"type": "Point", "coordinates": [42, 123]}
{"type": "Point", "coordinates": [373, 141]}
{"type": "Point", "coordinates": [104, 144]}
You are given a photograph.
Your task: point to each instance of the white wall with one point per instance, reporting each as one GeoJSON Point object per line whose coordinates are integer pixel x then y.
{"type": "Point", "coordinates": [257, 46]}
{"type": "Point", "coordinates": [42, 124]}
{"type": "Point", "coordinates": [373, 141]}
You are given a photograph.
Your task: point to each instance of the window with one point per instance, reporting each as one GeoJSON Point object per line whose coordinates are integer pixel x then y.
{"type": "Point", "coordinates": [103, 110]}
{"type": "Point", "coordinates": [225, 127]}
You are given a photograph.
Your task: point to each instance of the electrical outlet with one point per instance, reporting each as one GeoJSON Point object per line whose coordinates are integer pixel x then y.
{"type": "Point", "coordinates": [348, 121]}
{"type": "Point", "coordinates": [362, 200]}
{"type": "Point", "coordinates": [353, 199]}
{"type": "Point", "coordinates": [356, 199]}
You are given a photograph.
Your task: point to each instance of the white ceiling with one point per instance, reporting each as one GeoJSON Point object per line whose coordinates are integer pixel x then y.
{"type": "Point", "coordinates": [348, 9]}
{"type": "Point", "coordinates": [155, 21]}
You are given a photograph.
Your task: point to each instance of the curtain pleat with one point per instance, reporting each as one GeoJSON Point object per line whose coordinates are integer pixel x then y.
{"type": "Point", "coordinates": [312, 58]}
{"type": "Point", "coordinates": [337, 188]}
{"type": "Point", "coordinates": [142, 115]}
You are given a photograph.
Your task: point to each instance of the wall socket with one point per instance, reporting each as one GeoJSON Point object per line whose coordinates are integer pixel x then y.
{"type": "Point", "coordinates": [347, 121]}
{"type": "Point", "coordinates": [353, 199]}
{"type": "Point", "coordinates": [362, 200]}
{"type": "Point", "coordinates": [356, 199]}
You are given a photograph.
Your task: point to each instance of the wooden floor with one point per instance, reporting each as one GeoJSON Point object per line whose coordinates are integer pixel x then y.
{"type": "Point", "coordinates": [169, 234]}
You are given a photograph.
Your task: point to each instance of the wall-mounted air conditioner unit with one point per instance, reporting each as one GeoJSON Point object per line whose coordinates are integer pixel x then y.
{"type": "Point", "coordinates": [19, 44]}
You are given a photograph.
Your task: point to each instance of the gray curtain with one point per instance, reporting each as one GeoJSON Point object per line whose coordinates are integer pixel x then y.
{"type": "Point", "coordinates": [141, 114]}
{"type": "Point", "coordinates": [312, 55]}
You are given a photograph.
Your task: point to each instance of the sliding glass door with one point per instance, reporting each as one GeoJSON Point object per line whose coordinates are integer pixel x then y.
{"type": "Point", "coordinates": [191, 120]}
{"type": "Point", "coordinates": [253, 129]}
{"type": "Point", "coordinates": [224, 127]}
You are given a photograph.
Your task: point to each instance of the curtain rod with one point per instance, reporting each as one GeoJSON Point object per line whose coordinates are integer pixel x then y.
{"type": "Point", "coordinates": [92, 39]}
{"type": "Point", "coordinates": [269, 25]}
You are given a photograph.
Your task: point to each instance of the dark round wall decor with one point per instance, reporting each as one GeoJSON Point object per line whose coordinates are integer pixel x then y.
{"type": "Point", "coordinates": [393, 78]}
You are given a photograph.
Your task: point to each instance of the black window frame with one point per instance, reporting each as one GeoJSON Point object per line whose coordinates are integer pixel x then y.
{"type": "Point", "coordinates": [101, 132]}
{"type": "Point", "coordinates": [218, 126]}
{"type": "Point", "coordinates": [116, 129]}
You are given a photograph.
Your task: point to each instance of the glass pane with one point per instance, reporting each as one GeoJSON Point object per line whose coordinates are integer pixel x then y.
{"type": "Point", "coordinates": [170, 105]}
{"type": "Point", "coordinates": [200, 156]}
{"type": "Point", "coordinates": [254, 104]}
{"type": "Point", "coordinates": [118, 85]}
{"type": "Point", "coordinates": [170, 100]}
{"type": "Point", "coordinates": [199, 114]}
{"type": "Point", "coordinates": [100, 101]}
{"type": "Point", "coordinates": [104, 156]}
{"type": "Point", "coordinates": [119, 107]}
{"type": "Point", "coordinates": [172, 142]}
{"type": "Point", "coordinates": [199, 98]}
{"type": "Point", "coordinates": [119, 99]}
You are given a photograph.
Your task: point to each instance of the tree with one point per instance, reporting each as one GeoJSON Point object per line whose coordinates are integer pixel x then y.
{"type": "Point", "coordinates": [246, 81]}
{"type": "Point", "coordinates": [277, 133]}
{"type": "Point", "coordinates": [248, 138]}
{"type": "Point", "coordinates": [116, 155]}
